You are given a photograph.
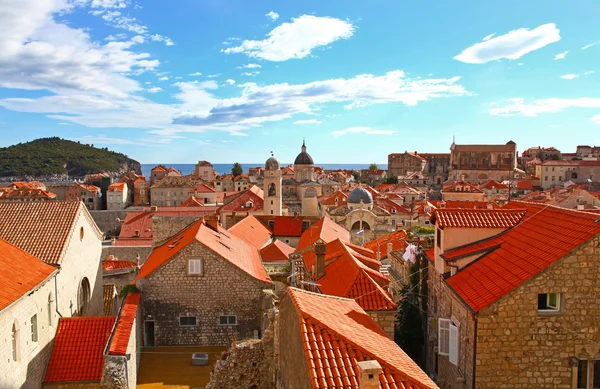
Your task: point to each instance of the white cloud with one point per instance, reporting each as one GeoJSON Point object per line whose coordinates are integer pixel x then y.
{"type": "Point", "coordinates": [512, 45]}
{"type": "Point", "coordinates": [561, 55]}
{"type": "Point", "coordinates": [488, 37]}
{"type": "Point", "coordinates": [250, 66]}
{"type": "Point", "coordinates": [588, 72]}
{"type": "Point", "coordinates": [213, 75]}
{"type": "Point", "coordinates": [164, 78]}
{"type": "Point", "coordinates": [569, 76]}
{"type": "Point", "coordinates": [117, 20]}
{"type": "Point", "coordinates": [276, 102]}
{"type": "Point", "coordinates": [148, 83]}
{"type": "Point", "coordinates": [195, 74]}
{"type": "Point", "coordinates": [251, 74]}
{"type": "Point", "coordinates": [103, 140]}
{"type": "Point", "coordinates": [108, 4]}
{"type": "Point", "coordinates": [272, 15]}
{"type": "Point", "coordinates": [154, 89]}
{"type": "Point", "coordinates": [296, 39]}
{"type": "Point", "coordinates": [230, 81]}
{"type": "Point", "coordinates": [517, 106]}
{"type": "Point", "coordinates": [138, 39]}
{"type": "Point", "coordinates": [596, 119]}
{"type": "Point", "coordinates": [590, 45]}
{"type": "Point", "coordinates": [116, 37]}
{"type": "Point", "coordinates": [363, 130]}
{"type": "Point", "coordinates": [160, 38]}
{"type": "Point", "coordinates": [308, 121]}
{"type": "Point", "coordinates": [210, 84]}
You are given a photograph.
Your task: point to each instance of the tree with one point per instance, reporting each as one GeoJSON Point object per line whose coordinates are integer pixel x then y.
{"type": "Point", "coordinates": [373, 166]}
{"type": "Point", "coordinates": [391, 180]}
{"type": "Point", "coordinates": [236, 169]}
{"type": "Point", "coordinates": [356, 176]}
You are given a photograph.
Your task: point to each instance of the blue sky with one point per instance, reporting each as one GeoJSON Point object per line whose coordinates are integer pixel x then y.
{"type": "Point", "coordinates": [223, 80]}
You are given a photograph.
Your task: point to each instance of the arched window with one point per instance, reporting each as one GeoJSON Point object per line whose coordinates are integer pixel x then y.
{"type": "Point", "coordinates": [83, 297]}
{"type": "Point", "coordinates": [15, 342]}
{"type": "Point", "coordinates": [573, 175]}
{"type": "Point", "coordinates": [50, 301]}
{"type": "Point", "coordinates": [272, 190]}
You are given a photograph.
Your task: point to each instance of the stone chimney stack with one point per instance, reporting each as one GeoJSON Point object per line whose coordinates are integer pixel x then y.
{"type": "Point", "coordinates": [212, 222]}
{"type": "Point", "coordinates": [368, 374]}
{"type": "Point", "coordinates": [390, 248]}
{"type": "Point", "coordinates": [320, 250]}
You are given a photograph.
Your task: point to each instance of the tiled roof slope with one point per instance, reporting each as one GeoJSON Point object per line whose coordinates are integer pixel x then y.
{"type": "Point", "coordinates": [337, 334]}
{"type": "Point", "coordinates": [41, 228]}
{"type": "Point", "coordinates": [122, 333]}
{"type": "Point", "coordinates": [398, 239]}
{"type": "Point", "coordinates": [477, 218]}
{"type": "Point", "coordinates": [192, 202]}
{"type": "Point", "coordinates": [251, 231]}
{"type": "Point", "coordinates": [287, 226]}
{"type": "Point", "coordinates": [108, 292]}
{"type": "Point", "coordinates": [223, 243]}
{"type": "Point", "coordinates": [77, 354]}
{"type": "Point", "coordinates": [326, 230]}
{"type": "Point", "coordinates": [113, 264]}
{"type": "Point", "coordinates": [352, 275]}
{"type": "Point", "coordinates": [276, 251]}
{"type": "Point", "coordinates": [546, 234]}
{"type": "Point", "coordinates": [20, 272]}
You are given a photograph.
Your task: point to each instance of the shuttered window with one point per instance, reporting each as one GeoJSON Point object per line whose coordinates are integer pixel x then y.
{"type": "Point", "coordinates": [453, 347]}
{"type": "Point", "coordinates": [195, 266]}
{"type": "Point", "coordinates": [444, 336]}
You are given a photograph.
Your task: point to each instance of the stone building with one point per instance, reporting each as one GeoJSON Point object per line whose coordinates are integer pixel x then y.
{"type": "Point", "coordinates": [187, 293]}
{"type": "Point", "coordinates": [331, 342]}
{"type": "Point", "coordinates": [479, 163]}
{"type": "Point", "coordinates": [512, 300]}
{"type": "Point", "coordinates": [552, 173]}
{"type": "Point", "coordinates": [204, 171]}
{"type": "Point", "coordinates": [70, 191]}
{"type": "Point", "coordinates": [272, 187]}
{"type": "Point", "coordinates": [118, 196]}
{"type": "Point", "coordinates": [62, 234]}
{"type": "Point", "coordinates": [172, 190]}
{"type": "Point", "coordinates": [28, 316]}
{"type": "Point", "coordinates": [161, 171]}
{"type": "Point", "coordinates": [141, 191]}
{"type": "Point", "coordinates": [462, 191]}
{"type": "Point", "coordinates": [90, 196]}
{"type": "Point", "coordinates": [434, 166]}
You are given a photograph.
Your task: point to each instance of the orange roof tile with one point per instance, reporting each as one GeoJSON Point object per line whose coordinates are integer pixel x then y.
{"type": "Point", "coordinates": [159, 168]}
{"type": "Point", "coordinates": [116, 187]}
{"type": "Point", "coordinates": [108, 294]}
{"type": "Point", "coordinates": [113, 264]}
{"type": "Point", "coordinates": [20, 272]}
{"type": "Point", "coordinates": [192, 202]}
{"type": "Point", "coordinates": [221, 242]}
{"type": "Point", "coordinates": [326, 230]}
{"type": "Point", "coordinates": [546, 234]}
{"type": "Point", "coordinates": [493, 184]}
{"type": "Point", "coordinates": [42, 228]}
{"type": "Point", "coordinates": [430, 254]}
{"type": "Point", "coordinates": [202, 188]}
{"type": "Point", "coordinates": [77, 354]}
{"type": "Point", "coordinates": [251, 231]}
{"type": "Point", "coordinates": [287, 226]}
{"type": "Point", "coordinates": [122, 332]}
{"type": "Point", "coordinates": [253, 194]}
{"type": "Point", "coordinates": [461, 186]}
{"type": "Point", "coordinates": [276, 251]}
{"type": "Point", "coordinates": [466, 204]}
{"type": "Point", "coordinates": [477, 218]}
{"type": "Point", "coordinates": [337, 334]}
{"type": "Point", "coordinates": [398, 239]}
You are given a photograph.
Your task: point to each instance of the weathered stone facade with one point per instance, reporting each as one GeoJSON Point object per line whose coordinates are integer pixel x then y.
{"type": "Point", "coordinates": [434, 165]}
{"type": "Point", "coordinates": [222, 289]}
{"type": "Point", "coordinates": [480, 163]}
{"type": "Point", "coordinates": [384, 319]}
{"type": "Point", "coordinates": [164, 227]}
{"type": "Point", "coordinates": [510, 344]}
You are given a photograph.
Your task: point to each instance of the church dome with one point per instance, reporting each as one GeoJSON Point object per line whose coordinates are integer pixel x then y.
{"type": "Point", "coordinates": [272, 164]}
{"type": "Point", "coordinates": [358, 194]}
{"type": "Point", "coordinates": [303, 158]}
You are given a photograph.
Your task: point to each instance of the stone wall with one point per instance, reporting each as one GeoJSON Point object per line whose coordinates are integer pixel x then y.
{"type": "Point", "coordinates": [518, 347]}
{"type": "Point", "coordinates": [107, 221]}
{"type": "Point", "coordinates": [120, 372]}
{"type": "Point", "coordinates": [223, 289]}
{"type": "Point", "coordinates": [164, 227]}
{"type": "Point", "coordinates": [292, 366]}
{"type": "Point", "coordinates": [386, 320]}
{"type": "Point", "coordinates": [119, 277]}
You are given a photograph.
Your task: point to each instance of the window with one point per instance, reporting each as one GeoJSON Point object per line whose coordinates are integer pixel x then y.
{"type": "Point", "coordinates": [549, 302]}
{"type": "Point", "coordinates": [14, 336]}
{"type": "Point", "coordinates": [34, 328]}
{"type": "Point", "coordinates": [81, 233]}
{"type": "Point", "coordinates": [448, 340]}
{"type": "Point", "coordinates": [187, 321]}
{"type": "Point", "coordinates": [227, 320]}
{"type": "Point", "coordinates": [195, 266]}
{"type": "Point", "coordinates": [141, 191]}
{"type": "Point", "coordinates": [439, 238]}
{"type": "Point", "coordinates": [83, 297]}
{"type": "Point", "coordinates": [50, 301]}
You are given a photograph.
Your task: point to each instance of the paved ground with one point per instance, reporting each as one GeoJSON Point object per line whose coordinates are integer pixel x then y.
{"type": "Point", "coordinates": [171, 367]}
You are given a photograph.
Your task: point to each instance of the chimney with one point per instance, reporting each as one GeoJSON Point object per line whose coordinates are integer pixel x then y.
{"type": "Point", "coordinates": [378, 253]}
{"type": "Point", "coordinates": [212, 222]}
{"type": "Point", "coordinates": [136, 233]}
{"type": "Point", "coordinates": [233, 220]}
{"type": "Point", "coordinates": [154, 208]}
{"type": "Point", "coordinates": [390, 248]}
{"type": "Point", "coordinates": [368, 374]}
{"type": "Point", "coordinates": [320, 250]}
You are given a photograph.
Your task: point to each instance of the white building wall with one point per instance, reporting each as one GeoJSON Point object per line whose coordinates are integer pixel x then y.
{"type": "Point", "coordinates": [28, 370]}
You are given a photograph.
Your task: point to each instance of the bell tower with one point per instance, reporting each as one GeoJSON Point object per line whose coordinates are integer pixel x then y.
{"type": "Point", "coordinates": [272, 187]}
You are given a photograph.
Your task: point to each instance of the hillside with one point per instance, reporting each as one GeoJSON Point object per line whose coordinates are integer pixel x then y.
{"type": "Point", "coordinates": [59, 157]}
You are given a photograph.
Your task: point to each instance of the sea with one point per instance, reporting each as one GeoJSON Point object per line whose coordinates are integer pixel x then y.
{"type": "Point", "coordinates": [222, 168]}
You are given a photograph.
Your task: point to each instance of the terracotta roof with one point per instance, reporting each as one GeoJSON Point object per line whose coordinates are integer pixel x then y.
{"type": "Point", "coordinates": [461, 186]}
{"type": "Point", "coordinates": [326, 230]}
{"type": "Point", "coordinates": [108, 294]}
{"type": "Point", "coordinates": [137, 225]}
{"type": "Point", "coordinates": [221, 242]}
{"type": "Point", "coordinates": [20, 273]}
{"type": "Point", "coordinates": [510, 146]}
{"type": "Point", "coordinates": [287, 226]}
{"type": "Point", "coordinates": [477, 218]}
{"type": "Point", "coordinates": [337, 334]}
{"type": "Point", "coordinates": [116, 187]}
{"type": "Point", "coordinates": [159, 168]}
{"type": "Point", "coordinates": [240, 201]}
{"type": "Point", "coordinates": [93, 189]}
{"type": "Point", "coordinates": [112, 264]}
{"type": "Point", "coordinates": [430, 254]}
{"type": "Point", "coordinates": [546, 234]}
{"type": "Point", "coordinates": [493, 184]}
{"type": "Point", "coordinates": [276, 251]}
{"type": "Point", "coordinates": [341, 197]}
{"type": "Point", "coordinates": [351, 274]}
{"type": "Point", "coordinates": [77, 354]}
{"type": "Point", "coordinates": [203, 188]}
{"type": "Point", "coordinates": [192, 202]}
{"type": "Point", "coordinates": [398, 239]}
{"type": "Point", "coordinates": [524, 184]}
{"type": "Point", "coordinates": [251, 231]}
{"type": "Point", "coordinates": [466, 204]}
{"type": "Point", "coordinates": [42, 228]}
{"type": "Point", "coordinates": [122, 332]}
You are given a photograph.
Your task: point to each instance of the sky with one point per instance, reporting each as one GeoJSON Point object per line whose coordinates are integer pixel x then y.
{"type": "Point", "coordinates": [232, 80]}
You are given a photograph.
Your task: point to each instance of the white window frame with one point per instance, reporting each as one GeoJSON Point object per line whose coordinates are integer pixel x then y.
{"type": "Point", "coordinates": [228, 324]}
{"type": "Point", "coordinates": [552, 308]}
{"type": "Point", "coordinates": [454, 343]}
{"type": "Point", "coordinates": [444, 336]}
{"type": "Point", "coordinates": [34, 328]}
{"type": "Point", "coordinates": [188, 325]}
{"type": "Point", "coordinates": [195, 267]}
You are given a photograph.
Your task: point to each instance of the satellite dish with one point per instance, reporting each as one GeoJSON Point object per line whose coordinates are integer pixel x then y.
{"type": "Point", "coordinates": [142, 284]}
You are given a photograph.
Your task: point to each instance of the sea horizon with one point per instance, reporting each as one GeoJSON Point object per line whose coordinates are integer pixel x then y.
{"type": "Point", "coordinates": [223, 168]}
